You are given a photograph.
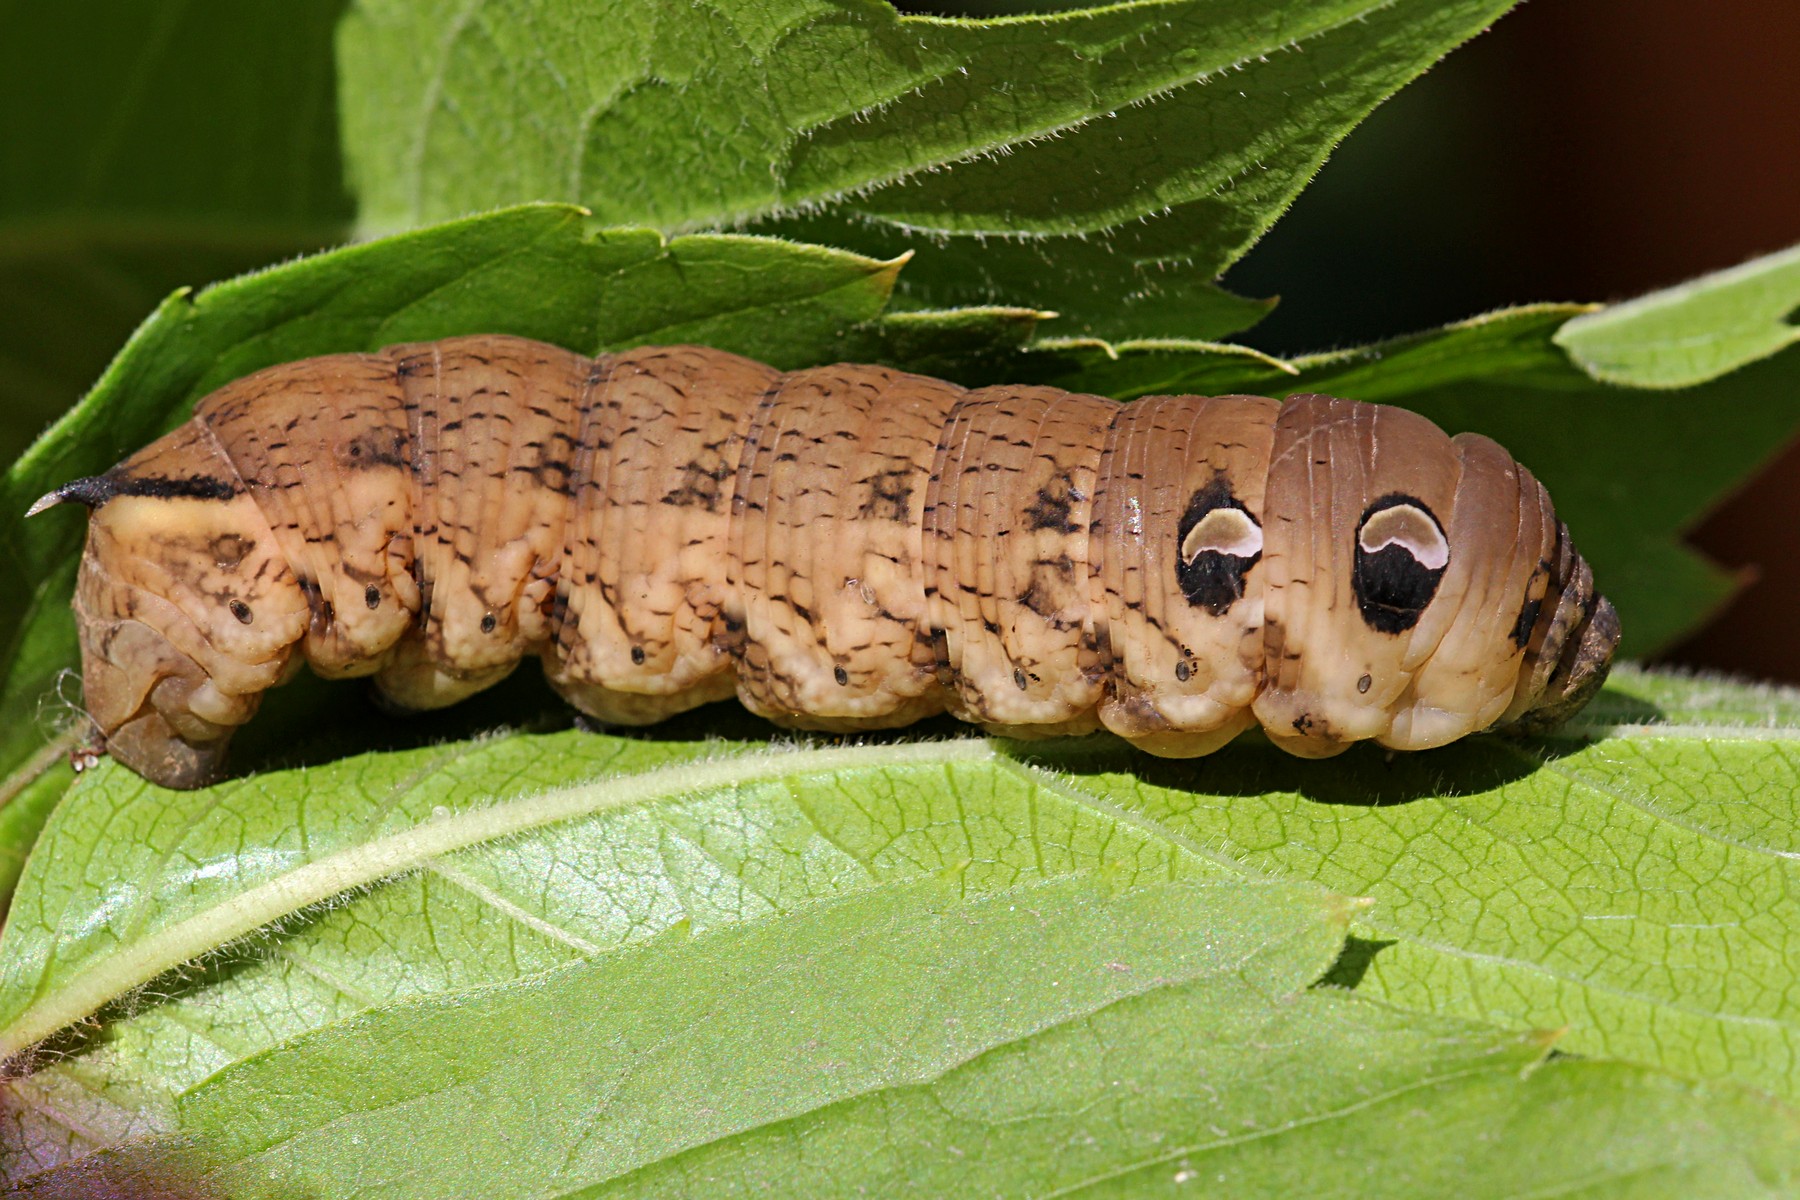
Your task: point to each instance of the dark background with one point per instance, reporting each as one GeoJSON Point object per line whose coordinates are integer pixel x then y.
{"type": "Point", "coordinates": [1580, 150]}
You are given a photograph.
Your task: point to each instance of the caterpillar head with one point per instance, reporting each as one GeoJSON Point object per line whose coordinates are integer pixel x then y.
{"type": "Point", "coordinates": [185, 610]}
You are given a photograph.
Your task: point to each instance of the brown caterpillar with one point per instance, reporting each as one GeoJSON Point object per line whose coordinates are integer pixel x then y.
{"type": "Point", "coordinates": [846, 547]}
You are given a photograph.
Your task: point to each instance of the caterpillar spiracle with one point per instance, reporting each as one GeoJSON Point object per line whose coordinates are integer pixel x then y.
{"type": "Point", "coordinates": [845, 547]}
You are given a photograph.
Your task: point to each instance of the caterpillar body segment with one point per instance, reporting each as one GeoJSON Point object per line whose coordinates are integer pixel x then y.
{"type": "Point", "coordinates": [844, 547]}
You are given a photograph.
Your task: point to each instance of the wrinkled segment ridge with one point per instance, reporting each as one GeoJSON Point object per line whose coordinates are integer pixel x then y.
{"type": "Point", "coordinates": [843, 547]}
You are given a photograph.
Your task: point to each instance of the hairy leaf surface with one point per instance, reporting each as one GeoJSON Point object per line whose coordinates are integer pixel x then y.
{"type": "Point", "coordinates": [844, 122]}
{"type": "Point", "coordinates": [687, 964]}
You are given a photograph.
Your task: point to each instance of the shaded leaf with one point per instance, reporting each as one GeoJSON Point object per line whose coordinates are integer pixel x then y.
{"type": "Point", "coordinates": [538, 272]}
{"type": "Point", "coordinates": [146, 147]}
{"type": "Point", "coordinates": [1694, 332]}
{"type": "Point", "coordinates": [1512, 342]}
{"type": "Point", "coordinates": [1630, 470]}
{"type": "Point", "coordinates": [678, 966]}
{"type": "Point", "coordinates": [1638, 889]}
{"type": "Point", "coordinates": [847, 123]}
{"type": "Point", "coordinates": [1136, 281]}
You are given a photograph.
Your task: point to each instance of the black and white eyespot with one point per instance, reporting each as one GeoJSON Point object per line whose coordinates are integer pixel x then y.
{"type": "Point", "coordinates": [1220, 542]}
{"type": "Point", "coordinates": [1401, 555]}
{"type": "Point", "coordinates": [1027, 523]}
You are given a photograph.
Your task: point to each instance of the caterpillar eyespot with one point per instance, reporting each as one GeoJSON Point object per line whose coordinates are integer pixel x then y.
{"type": "Point", "coordinates": [845, 547]}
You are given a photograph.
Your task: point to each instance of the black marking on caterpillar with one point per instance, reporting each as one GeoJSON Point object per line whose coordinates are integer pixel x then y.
{"type": "Point", "coordinates": [98, 489]}
{"type": "Point", "coordinates": [1401, 557]}
{"type": "Point", "coordinates": [1211, 570]}
{"type": "Point", "coordinates": [844, 547]}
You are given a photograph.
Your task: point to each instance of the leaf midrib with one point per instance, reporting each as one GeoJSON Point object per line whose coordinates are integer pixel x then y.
{"type": "Point", "coordinates": [1504, 1068]}
{"type": "Point", "coordinates": [1146, 93]}
{"type": "Point", "coordinates": [1152, 88]}
{"type": "Point", "coordinates": [903, 1078]}
{"type": "Point", "coordinates": [242, 913]}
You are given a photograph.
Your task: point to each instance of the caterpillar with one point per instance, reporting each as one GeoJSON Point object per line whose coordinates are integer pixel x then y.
{"type": "Point", "coordinates": [845, 547]}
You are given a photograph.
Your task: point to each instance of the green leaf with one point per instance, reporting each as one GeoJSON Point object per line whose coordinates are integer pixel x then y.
{"type": "Point", "coordinates": [146, 147]}
{"type": "Point", "coordinates": [882, 994]}
{"type": "Point", "coordinates": [501, 859]}
{"type": "Point", "coordinates": [1130, 283]}
{"type": "Point", "coordinates": [1592, 444]}
{"type": "Point", "coordinates": [543, 272]}
{"type": "Point", "coordinates": [1512, 343]}
{"type": "Point", "coordinates": [711, 966]}
{"type": "Point", "coordinates": [540, 272]}
{"type": "Point", "coordinates": [1637, 890]}
{"type": "Point", "coordinates": [871, 128]}
{"type": "Point", "coordinates": [661, 966]}
{"type": "Point", "coordinates": [1694, 332]}
{"type": "Point", "coordinates": [1303, 1094]}
{"type": "Point", "coordinates": [26, 800]}
{"type": "Point", "coordinates": [1628, 889]}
